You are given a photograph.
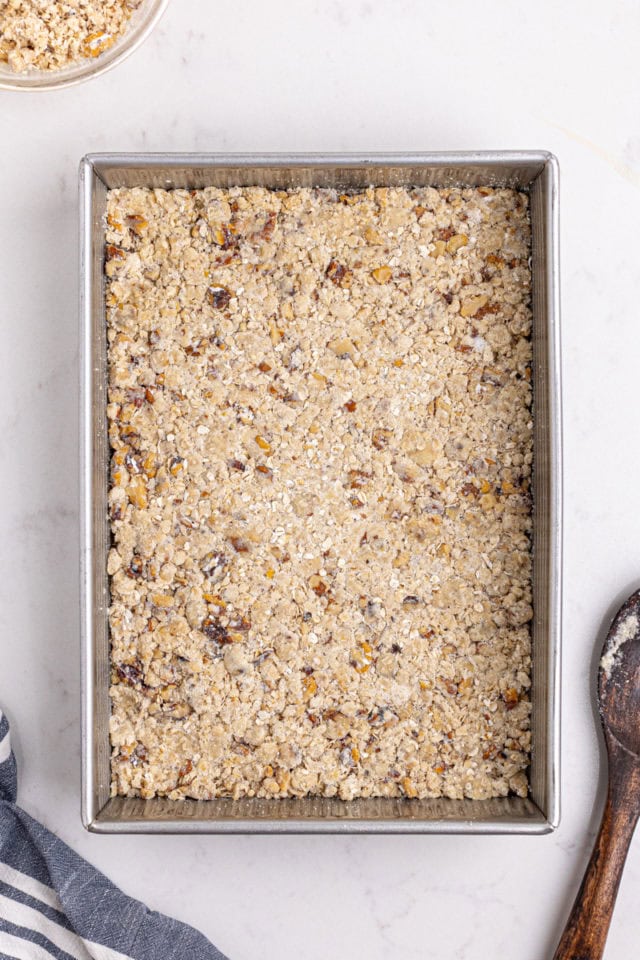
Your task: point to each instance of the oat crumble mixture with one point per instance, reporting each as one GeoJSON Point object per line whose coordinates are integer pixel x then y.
{"type": "Point", "coordinates": [320, 421]}
{"type": "Point", "coordinates": [51, 34]}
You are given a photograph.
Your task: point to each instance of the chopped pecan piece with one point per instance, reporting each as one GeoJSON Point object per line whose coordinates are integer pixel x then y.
{"type": "Point", "coordinates": [318, 585]}
{"type": "Point", "coordinates": [511, 698]}
{"type": "Point", "coordinates": [137, 223]}
{"type": "Point", "coordinates": [176, 465]}
{"type": "Point", "coordinates": [380, 438]}
{"type": "Point", "coordinates": [382, 717]}
{"type": "Point", "coordinates": [215, 630]}
{"type": "Point", "coordinates": [185, 769]}
{"type": "Point", "coordinates": [488, 309]}
{"type": "Point", "coordinates": [130, 673]}
{"type": "Point", "coordinates": [213, 564]}
{"type": "Point", "coordinates": [219, 297]}
{"type": "Point", "coordinates": [358, 478]}
{"type": "Point", "coordinates": [239, 544]}
{"type": "Point", "coordinates": [267, 230]}
{"type": "Point", "coordinates": [339, 274]}
{"type": "Point", "coordinates": [225, 236]}
{"type": "Point", "coordinates": [135, 568]}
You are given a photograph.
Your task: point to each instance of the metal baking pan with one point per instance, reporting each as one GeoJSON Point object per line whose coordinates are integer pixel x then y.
{"type": "Point", "coordinates": [535, 171]}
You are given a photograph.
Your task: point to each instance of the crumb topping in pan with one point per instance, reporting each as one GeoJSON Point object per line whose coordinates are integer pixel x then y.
{"type": "Point", "coordinates": [50, 34]}
{"type": "Point", "coordinates": [320, 420]}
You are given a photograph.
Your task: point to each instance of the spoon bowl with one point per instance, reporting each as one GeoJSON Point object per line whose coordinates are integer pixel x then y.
{"type": "Point", "coordinates": [619, 677]}
{"type": "Point", "coordinates": [586, 931]}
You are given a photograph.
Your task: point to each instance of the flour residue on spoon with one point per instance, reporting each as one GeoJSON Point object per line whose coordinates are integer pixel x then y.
{"type": "Point", "coordinates": [625, 631]}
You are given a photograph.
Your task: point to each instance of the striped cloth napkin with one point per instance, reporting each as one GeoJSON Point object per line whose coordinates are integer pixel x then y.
{"type": "Point", "coordinates": [55, 904]}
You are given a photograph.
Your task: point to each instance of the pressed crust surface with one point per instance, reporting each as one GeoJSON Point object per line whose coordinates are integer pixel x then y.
{"type": "Point", "coordinates": [320, 415]}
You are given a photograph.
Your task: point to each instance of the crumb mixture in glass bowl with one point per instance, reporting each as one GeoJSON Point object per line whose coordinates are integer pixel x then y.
{"type": "Point", "coordinates": [51, 43]}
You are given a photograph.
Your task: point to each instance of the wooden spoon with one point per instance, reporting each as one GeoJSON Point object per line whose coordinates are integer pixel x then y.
{"type": "Point", "coordinates": [619, 702]}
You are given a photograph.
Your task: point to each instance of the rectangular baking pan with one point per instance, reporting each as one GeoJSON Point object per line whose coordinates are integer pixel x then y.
{"type": "Point", "coordinates": [534, 171]}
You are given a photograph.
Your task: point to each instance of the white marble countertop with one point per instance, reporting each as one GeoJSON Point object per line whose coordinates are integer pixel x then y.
{"type": "Point", "coordinates": [403, 75]}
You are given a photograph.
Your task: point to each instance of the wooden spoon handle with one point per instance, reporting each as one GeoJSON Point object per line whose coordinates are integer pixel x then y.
{"type": "Point", "coordinates": [586, 931]}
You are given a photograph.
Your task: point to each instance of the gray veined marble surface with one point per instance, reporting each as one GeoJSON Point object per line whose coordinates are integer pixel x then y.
{"type": "Point", "coordinates": [336, 76]}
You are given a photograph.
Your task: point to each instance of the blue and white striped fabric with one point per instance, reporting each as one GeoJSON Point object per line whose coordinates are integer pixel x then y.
{"type": "Point", "coordinates": [55, 904]}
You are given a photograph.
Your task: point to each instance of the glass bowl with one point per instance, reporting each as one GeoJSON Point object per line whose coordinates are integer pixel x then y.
{"type": "Point", "coordinates": [142, 22]}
